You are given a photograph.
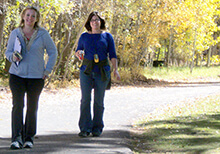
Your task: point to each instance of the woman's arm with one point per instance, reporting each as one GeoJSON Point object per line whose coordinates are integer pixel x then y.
{"type": "Point", "coordinates": [114, 62]}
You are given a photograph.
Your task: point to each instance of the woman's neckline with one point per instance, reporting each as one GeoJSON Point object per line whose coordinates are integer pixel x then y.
{"type": "Point", "coordinates": [89, 32]}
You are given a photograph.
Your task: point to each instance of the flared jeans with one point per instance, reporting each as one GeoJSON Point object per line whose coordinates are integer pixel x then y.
{"type": "Point", "coordinates": [87, 123]}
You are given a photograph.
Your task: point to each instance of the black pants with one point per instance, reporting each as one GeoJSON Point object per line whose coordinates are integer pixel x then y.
{"type": "Point", "coordinates": [24, 130]}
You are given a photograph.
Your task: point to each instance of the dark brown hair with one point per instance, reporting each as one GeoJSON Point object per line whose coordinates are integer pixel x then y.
{"type": "Point", "coordinates": [23, 13]}
{"type": "Point", "coordinates": [87, 24]}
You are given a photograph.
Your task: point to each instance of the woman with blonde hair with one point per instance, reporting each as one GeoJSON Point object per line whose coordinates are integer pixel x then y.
{"type": "Point", "coordinates": [28, 71]}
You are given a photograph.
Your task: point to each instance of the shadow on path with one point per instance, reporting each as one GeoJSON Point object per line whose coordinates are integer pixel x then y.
{"type": "Point", "coordinates": [112, 141]}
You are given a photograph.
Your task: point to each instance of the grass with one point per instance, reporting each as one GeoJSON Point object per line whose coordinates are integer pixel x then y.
{"type": "Point", "coordinates": [182, 73]}
{"type": "Point", "coordinates": [192, 127]}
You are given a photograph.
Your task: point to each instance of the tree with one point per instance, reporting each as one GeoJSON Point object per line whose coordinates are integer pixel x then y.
{"type": "Point", "coordinates": [2, 18]}
{"type": "Point", "coordinates": [143, 30]}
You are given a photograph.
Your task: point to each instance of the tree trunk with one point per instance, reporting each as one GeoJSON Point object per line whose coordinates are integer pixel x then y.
{"type": "Point", "coordinates": [197, 59]}
{"type": "Point", "coordinates": [201, 59]}
{"type": "Point", "coordinates": [65, 53]}
{"type": "Point", "coordinates": [2, 19]}
{"type": "Point", "coordinates": [138, 38]}
{"type": "Point", "coordinates": [194, 48]}
{"type": "Point", "coordinates": [170, 47]}
{"type": "Point", "coordinates": [209, 57]}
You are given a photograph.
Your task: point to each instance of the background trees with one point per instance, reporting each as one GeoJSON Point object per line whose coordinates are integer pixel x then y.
{"type": "Point", "coordinates": [178, 32]}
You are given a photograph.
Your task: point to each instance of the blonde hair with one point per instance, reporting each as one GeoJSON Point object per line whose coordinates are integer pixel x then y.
{"type": "Point", "coordinates": [37, 24]}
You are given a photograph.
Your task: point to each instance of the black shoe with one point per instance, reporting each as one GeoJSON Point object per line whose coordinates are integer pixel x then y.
{"type": "Point", "coordinates": [83, 134]}
{"type": "Point", "coordinates": [96, 134]}
{"type": "Point", "coordinates": [15, 145]}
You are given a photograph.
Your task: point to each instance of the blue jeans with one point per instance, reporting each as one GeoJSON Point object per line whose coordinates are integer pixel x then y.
{"type": "Point", "coordinates": [87, 83]}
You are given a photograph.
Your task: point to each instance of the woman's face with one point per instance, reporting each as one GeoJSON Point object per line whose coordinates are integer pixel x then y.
{"type": "Point", "coordinates": [95, 23]}
{"type": "Point", "coordinates": [30, 17]}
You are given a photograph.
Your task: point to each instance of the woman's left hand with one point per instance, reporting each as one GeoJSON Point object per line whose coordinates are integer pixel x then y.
{"type": "Point", "coordinates": [116, 75]}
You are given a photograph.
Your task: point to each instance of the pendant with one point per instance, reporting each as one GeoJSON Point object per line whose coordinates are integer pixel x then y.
{"type": "Point", "coordinates": [96, 58]}
{"type": "Point", "coordinates": [80, 64]}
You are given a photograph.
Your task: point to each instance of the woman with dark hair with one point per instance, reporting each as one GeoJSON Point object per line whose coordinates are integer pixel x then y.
{"type": "Point", "coordinates": [98, 46]}
{"type": "Point", "coordinates": [27, 74]}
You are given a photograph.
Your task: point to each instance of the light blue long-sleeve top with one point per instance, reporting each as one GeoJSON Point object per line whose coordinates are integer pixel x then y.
{"type": "Point", "coordinates": [33, 64]}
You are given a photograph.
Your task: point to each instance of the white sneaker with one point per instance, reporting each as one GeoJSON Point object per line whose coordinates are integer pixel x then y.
{"type": "Point", "coordinates": [28, 144]}
{"type": "Point", "coordinates": [15, 145]}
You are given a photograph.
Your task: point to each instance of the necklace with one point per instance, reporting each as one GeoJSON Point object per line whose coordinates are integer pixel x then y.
{"type": "Point", "coordinates": [28, 33]}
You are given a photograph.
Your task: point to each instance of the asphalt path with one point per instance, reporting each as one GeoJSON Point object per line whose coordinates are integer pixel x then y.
{"type": "Point", "coordinates": [59, 113]}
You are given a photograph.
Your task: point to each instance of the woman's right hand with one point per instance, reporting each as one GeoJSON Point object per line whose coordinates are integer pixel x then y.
{"type": "Point", "coordinates": [15, 58]}
{"type": "Point", "coordinates": [79, 54]}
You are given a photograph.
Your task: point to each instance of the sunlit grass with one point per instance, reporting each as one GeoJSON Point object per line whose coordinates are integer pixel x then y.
{"type": "Point", "coordinates": [192, 127]}
{"type": "Point", "coordinates": [182, 73]}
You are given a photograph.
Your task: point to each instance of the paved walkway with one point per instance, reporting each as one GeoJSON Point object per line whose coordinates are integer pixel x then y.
{"type": "Point", "coordinates": [59, 113]}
